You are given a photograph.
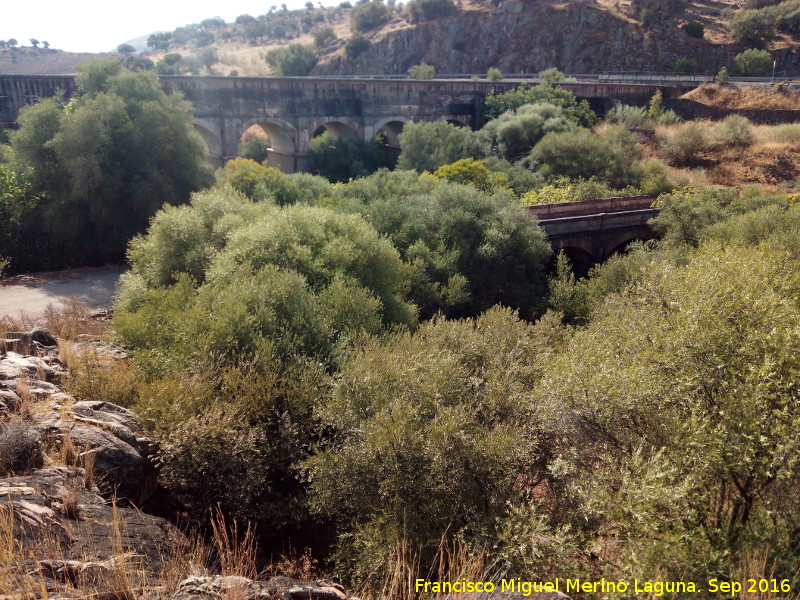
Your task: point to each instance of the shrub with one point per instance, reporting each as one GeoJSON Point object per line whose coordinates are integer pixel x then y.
{"type": "Point", "coordinates": [753, 63]}
{"type": "Point", "coordinates": [469, 171]}
{"type": "Point", "coordinates": [355, 46]}
{"type": "Point", "coordinates": [323, 35]}
{"type": "Point", "coordinates": [685, 143]}
{"type": "Point", "coordinates": [422, 71]}
{"type": "Point", "coordinates": [494, 74]}
{"type": "Point", "coordinates": [695, 29]}
{"type": "Point", "coordinates": [369, 15]}
{"type": "Point", "coordinates": [342, 159]}
{"type": "Point", "coordinates": [295, 60]}
{"type": "Point", "coordinates": [578, 112]}
{"type": "Point", "coordinates": [428, 146]}
{"type": "Point", "coordinates": [722, 77]}
{"type": "Point", "coordinates": [610, 157]}
{"type": "Point", "coordinates": [255, 148]}
{"type": "Point", "coordinates": [735, 130]}
{"type": "Point", "coordinates": [628, 116]}
{"type": "Point", "coordinates": [20, 447]}
{"type": "Point", "coordinates": [514, 133]}
{"type": "Point", "coordinates": [685, 214]}
{"type": "Point", "coordinates": [427, 10]}
{"type": "Point", "coordinates": [786, 134]}
{"type": "Point", "coordinates": [687, 66]}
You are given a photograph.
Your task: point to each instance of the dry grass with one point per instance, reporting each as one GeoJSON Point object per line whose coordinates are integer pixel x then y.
{"type": "Point", "coordinates": [66, 320]}
{"type": "Point", "coordinates": [755, 566]}
{"type": "Point", "coordinates": [236, 551]}
{"type": "Point", "coordinates": [94, 376]}
{"type": "Point", "coordinates": [779, 97]}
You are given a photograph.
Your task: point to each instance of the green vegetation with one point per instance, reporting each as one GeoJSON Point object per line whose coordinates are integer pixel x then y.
{"type": "Point", "coordinates": [355, 46]}
{"type": "Point", "coordinates": [295, 60]}
{"type": "Point", "coordinates": [422, 71]}
{"type": "Point", "coordinates": [756, 27]}
{"type": "Point", "coordinates": [515, 132]}
{"type": "Point", "coordinates": [428, 146]}
{"type": "Point", "coordinates": [753, 63]}
{"type": "Point", "coordinates": [255, 148]}
{"type": "Point", "coordinates": [340, 159]}
{"type": "Point", "coordinates": [369, 15]}
{"type": "Point", "coordinates": [695, 29]}
{"type": "Point", "coordinates": [578, 112]}
{"type": "Point", "coordinates": [428, 10]}
{"type": "Point", "coordinates": [93, 173]}
{"type": "Point", "coordinates": [494, 74]}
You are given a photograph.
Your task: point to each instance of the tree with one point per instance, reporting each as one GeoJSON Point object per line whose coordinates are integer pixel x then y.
{"type": "Point", "coordinates": [428, 146]}
{"type": "Point", "coordinates": [34, 42]}
{"type": "Point", "coordinates": [126, 49]}
{"type": "Point", "coordinates": [369, 15]}
{"type": "Point", "coordinates": [46, 45]}
{"type": "Point", "coordinates": [106, 164]}
{"type": "Point", "coordinates": [341, 159]}
{"type": "Point", "coordinates": [753, 63]}
{"type": "Point", "coordinates": [12, 42]}
{"type": "Point", "coordinates": [686, 66]}
{"type": "Point", "coordinates": [208, 57]}
{"type": "Point", "coordinates": [159, 41]}
{"type": "Point", "coordinates": [722, 77]}
{"type": "Point", "coordinates": [292, 61]}
{"type": "Point", "coordinates": [422, 71]}
{"type": "Point", "coordinates": [355, 46]}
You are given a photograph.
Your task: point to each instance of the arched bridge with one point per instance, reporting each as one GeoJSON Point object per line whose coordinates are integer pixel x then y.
{"type": "Point", "coordinates": [290, 111]}
{"type": "Point", "coordinates": [590, 231]}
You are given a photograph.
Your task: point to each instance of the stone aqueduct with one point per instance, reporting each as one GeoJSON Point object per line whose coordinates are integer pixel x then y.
{"type": "Point", "coordinates": [291, 110]}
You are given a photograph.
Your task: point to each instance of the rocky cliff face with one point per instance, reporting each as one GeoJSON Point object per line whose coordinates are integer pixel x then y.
{"type": "Point", "coordinates": [529, 36]}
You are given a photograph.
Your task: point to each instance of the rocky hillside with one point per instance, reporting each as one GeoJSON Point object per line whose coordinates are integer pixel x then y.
{"type": "Point", "coordinates": [72, 474]}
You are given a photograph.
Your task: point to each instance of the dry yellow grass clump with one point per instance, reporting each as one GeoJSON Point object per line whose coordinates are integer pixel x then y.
{"type": "Point", "coordinates": [777, 97]}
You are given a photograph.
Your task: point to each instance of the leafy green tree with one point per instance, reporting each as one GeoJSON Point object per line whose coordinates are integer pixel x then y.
{"type": "Point", "coordinates": [684, 215]}
{"type": "Point", "coordinates": [109, 161]}
{"type": "Point", "coordinates": [369, 15]}
{"type": "Point", "coordinates": [722, 77]}
{"type": "Point", "coordinates": [577, 112]}
{"type": "Point", "coordinates": [515, 132]}
{"type": "Point", "coordinates": [422, 71]}
{"type": "Point", "coordinates": [355, 46]}
{"type": "Point", "coordinates": [208, 57]}
{"type": "Point", "coordinates": [472, 172]}
{"type": "Point", "coordinates": [753, 63]}
{"type": "Point", "coordinates": [12, 42]}
{"type": "Point", "coordinates": [292, 61]}
{"type": "Point", "coordinates": [126, 49]}
{"type": "Point", "coordinates": [428, 146]}
{"type": "Point", "coordinates": [34, 42]}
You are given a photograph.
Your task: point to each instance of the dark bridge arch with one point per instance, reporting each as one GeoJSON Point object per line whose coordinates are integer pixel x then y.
{"type": "Point", "coordinates": [341, 129]}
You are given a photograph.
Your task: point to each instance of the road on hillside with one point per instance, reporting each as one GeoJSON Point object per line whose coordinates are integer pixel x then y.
{"type": "Point", "coordinates": [32, 293]}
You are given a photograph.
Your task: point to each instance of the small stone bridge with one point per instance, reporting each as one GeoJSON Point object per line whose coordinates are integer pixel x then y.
{"type": "Point", "coordinates": [590, 231]}
{"type": "Point", "coordinates": [292, 110]}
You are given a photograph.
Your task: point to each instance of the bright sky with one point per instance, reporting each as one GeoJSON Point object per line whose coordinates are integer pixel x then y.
{"type": "Point", "coordinates": [100, 25]}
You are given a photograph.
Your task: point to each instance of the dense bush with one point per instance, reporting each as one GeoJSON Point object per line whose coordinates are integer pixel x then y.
{"type": "Point", "coordinates": [428, 10]}
{"type": "Point", "coordinates": [104, 165]}
{"type": "Point", "coordinates": [355, 46]}
{"type": "Point", "coordinates": [430, 432]}
{"type": "Point", "coordinates": [695, 29]}
{"type": "Point", "coordinates": [685, 143]}
{"type": "Point", "coordinates": [686, 66]}
{"type": "Point", "coordinates": [735, 131]}
{"type": "Point", "coordinates": [467, 250]}
{"type": "Point", "coordinates": [292, 61]}
{"type": "Point", "coordinates": [422, 71]}
{"type": "Point", "coordinates": [756, 27]}
{"type": "Point", "coordinates": [255, 148]}
{"type": "Point", "coordinates": [753, 63]}
{"type": "Point", "coordinates": [369, 15]}
{"type": "Point", "coordinates": [611, 156]}
{"type": "Point", "coordinates": [515, 132]}
{"type": "Point", "coordinates": [427, 146]}
{"type": "Point", "coordinates": [472, 172]}
{"type": "Point", "coordinates": [578, 112]}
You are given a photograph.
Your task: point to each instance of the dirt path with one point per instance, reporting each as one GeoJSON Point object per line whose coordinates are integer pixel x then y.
{"type": "Point", "coordinates": [30, 294]}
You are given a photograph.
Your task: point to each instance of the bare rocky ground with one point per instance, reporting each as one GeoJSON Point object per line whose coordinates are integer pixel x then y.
{"type": "Point", "coordinates": [31, 294]}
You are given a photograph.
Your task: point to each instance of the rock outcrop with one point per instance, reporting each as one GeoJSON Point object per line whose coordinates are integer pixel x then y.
{"type": "Point", "coordinates": [523, 35]}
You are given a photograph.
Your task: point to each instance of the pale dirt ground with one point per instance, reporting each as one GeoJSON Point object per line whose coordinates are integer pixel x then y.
{"type": "Point", "coordinates": [31, 293]}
